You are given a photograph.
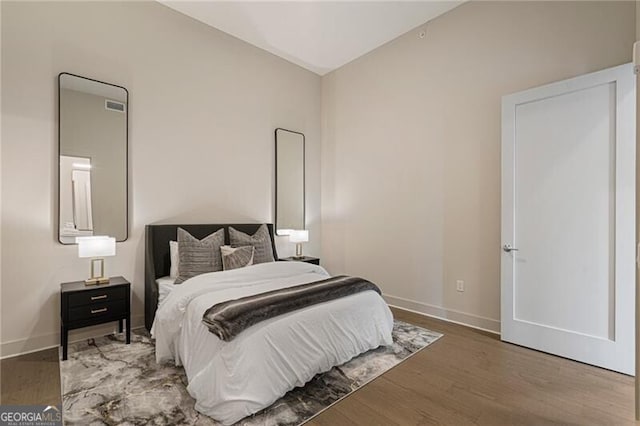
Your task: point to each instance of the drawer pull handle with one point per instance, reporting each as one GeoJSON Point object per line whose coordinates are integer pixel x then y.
{"type": "Point", "coordinates": [104, 296]}
{"type": "Point", "coordinates": [97, 311]}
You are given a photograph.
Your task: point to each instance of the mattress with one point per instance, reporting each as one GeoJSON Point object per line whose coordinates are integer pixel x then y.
{"type": "Point", "coordinates": [165, 286]}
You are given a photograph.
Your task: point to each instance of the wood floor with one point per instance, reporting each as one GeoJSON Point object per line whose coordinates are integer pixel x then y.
{"type": "Point", "coordinates": [465, 378]}
{"type": "Point", "coordinates": [31, 379]}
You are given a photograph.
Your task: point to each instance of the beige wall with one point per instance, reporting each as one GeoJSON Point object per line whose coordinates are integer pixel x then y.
{"type": "Point", "coordinates": [637, 19]}
{"type": "Point", "coordinates": [411, 144]}
{"type": "Point", "coordinates": [203, 109]}
{"type": "Point", "coordinates": [410, 149]}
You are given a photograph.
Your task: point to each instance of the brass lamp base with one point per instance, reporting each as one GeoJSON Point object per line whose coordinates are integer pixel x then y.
{"type": "Point", "coordinates": [96, 281]}
{"type": "Point", "coordinates": [96, 278]}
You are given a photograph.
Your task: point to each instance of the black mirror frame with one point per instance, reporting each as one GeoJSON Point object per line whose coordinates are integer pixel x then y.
{"type": "Point", "coordinates": [126, 219]}
{"type": "Point", "coordinates": [304, 179]}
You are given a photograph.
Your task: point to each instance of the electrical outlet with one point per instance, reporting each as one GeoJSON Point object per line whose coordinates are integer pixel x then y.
{"type": "Point", "coordinates": [460, 285]}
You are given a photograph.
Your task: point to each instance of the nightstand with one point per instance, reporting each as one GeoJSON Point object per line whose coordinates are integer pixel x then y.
{"type": "Point", "coordinates": [307, 259]}
{"type": "Point", "coordinates": [82, 306]}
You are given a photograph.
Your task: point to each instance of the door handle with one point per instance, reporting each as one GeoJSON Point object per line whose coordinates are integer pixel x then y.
{"type": "Point", "coordinates": [508, 249]}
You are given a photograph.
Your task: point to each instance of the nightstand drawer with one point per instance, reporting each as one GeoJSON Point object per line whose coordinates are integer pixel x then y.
{"type": "Point", "coordinates": [98, 310]}
{"type": "Point", "coordinates": [98, 295]}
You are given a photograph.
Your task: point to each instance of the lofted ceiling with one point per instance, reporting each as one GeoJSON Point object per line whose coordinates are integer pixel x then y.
{"type": "Point", "coordinates": [317, 35]}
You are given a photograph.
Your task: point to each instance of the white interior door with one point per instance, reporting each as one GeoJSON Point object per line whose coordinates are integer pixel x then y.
{"type": "Point", "coordinates": [568, 218]}
{"type": "Point", "coordinates": [82, 213]}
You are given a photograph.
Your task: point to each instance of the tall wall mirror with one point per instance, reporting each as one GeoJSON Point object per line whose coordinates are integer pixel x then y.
{"type": "Point", "coordinates": [289, 181]}
{"type": "Point", "coordinates": [92, 168]}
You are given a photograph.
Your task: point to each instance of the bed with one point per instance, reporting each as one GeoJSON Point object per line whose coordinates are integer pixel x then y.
{"type": "Point", "coordinates": [157, 259]}
{"type": "Point", "coordinates": [234, 379]}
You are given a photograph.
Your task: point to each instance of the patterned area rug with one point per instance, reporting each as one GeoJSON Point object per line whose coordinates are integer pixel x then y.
{"type": "Point", "coordinates": [108, 382]}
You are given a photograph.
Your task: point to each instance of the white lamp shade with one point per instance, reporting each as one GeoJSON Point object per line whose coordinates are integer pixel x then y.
{"type": "Point", "coordinates": [97, 246]}
{"type": "Point", "coordinates": [301, 236]}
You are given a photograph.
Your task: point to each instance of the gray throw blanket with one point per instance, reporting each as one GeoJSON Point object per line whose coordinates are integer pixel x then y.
{"type": "Point", "coordinates": [228, 319]}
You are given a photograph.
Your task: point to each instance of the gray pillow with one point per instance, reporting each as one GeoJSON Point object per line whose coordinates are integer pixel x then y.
{"type": "Point", "coordinates": [198, 256]}
{"type": "Point", "coordinates": [236, 257]}
{"type": "Point", "coordinates": [261, 241]}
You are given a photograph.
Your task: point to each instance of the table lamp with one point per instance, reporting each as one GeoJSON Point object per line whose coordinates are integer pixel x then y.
{"type": "Point", "coordinates": [299, 237]}
{"type": "Point", "coordinates": [96, 247]}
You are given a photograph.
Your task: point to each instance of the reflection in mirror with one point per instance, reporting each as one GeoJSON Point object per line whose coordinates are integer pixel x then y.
{"type": "Point", "coordinates": [289, 181]}
{"type": "Point", "coordinates": [75, 215]}
{"type": "Point", "coordinates": [93, 159]}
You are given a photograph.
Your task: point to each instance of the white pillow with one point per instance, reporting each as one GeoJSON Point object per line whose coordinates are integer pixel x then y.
{"type": "Point", "coordinates": [236, 257]}
{"type": "Point", "coordinates": [175, 259]}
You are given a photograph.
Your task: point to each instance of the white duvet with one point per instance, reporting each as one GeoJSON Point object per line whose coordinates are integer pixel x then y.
{"type": "Point", "coordinates": [231, 380]}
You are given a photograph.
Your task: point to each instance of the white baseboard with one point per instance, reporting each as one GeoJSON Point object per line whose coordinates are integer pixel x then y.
{"type": "Point", "coordinates": [41, 342]}
{"type": "Point", "coordinates": [449, 315]}
{"type": "Point", "coordinates": [51, 340]}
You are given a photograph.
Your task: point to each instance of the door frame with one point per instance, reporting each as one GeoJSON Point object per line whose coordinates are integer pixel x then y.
{"type": "Point", "coordinates": [624, 78]}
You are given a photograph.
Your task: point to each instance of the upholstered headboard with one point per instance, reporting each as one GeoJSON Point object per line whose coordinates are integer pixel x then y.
{"type": "Point", "coordinates": [157, 260]}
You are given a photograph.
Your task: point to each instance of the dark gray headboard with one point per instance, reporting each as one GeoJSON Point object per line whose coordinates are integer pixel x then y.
{"type": "Point", "coordinates": [157, 261]}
